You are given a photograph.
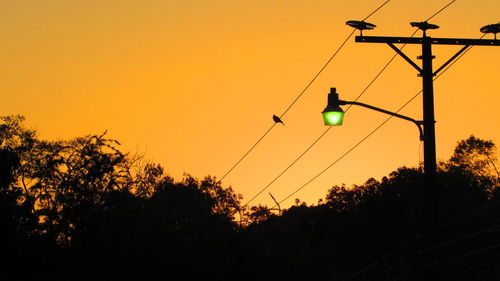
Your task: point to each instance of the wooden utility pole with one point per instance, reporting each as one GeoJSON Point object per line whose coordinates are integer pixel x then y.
{"type": "Point", "coordinates": [429, 209]}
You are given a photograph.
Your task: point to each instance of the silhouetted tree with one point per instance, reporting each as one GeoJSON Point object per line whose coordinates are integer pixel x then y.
{"type": "Point", "coordinates": [65, 179]}
{"type": "Point", "coordinates": [88, 211]}
{"type": "Point", "coordinates": [258, 214]}
{"type": "Point", "coordinates": [477, 156]}
{"type": "Point", "coordinates": [103, 213]}
{"type": "Point", "coordinates": [358, 225]}
{"type": "Point", "coordinates": [181, 230]}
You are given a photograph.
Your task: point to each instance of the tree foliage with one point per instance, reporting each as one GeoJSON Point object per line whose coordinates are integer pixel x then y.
{"type": "Point", "coordinates": [98, 213]}
{"type": "Point", "coordinates": [84, 196]}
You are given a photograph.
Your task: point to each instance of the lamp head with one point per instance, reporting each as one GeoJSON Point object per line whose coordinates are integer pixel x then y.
{"type": "Point", "coordinates": [333, 115]}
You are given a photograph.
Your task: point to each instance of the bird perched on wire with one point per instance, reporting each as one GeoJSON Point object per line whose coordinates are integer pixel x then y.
{"type": "Point", "coordinates": [277, 119]}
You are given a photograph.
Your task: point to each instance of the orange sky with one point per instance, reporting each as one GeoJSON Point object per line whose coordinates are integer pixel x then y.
{"type": "Point", "coordinates": [193, 84]}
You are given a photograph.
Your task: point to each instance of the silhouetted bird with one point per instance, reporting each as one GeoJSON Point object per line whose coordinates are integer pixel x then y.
{"type": "Point", "coordinates": [277, 119]}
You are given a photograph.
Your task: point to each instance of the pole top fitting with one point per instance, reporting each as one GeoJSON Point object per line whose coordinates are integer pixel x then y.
{"type": "Point", "coordinates": [360, 25]}
{"type": "Point", "coordinates": [491, 28]}
{"type": "Point", "coordinates": [424, 26]}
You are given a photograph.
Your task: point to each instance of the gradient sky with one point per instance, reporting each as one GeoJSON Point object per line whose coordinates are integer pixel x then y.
{"type": "Point", "coordinates": [192, 84]}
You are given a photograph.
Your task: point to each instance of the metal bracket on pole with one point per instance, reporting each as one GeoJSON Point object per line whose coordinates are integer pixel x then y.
{"type": "Point", "coordinates": [418, 123]}
{"type": "Point", "coordinates": [405, 57]}
{"type": "Point", "coordinates": [451, 59]}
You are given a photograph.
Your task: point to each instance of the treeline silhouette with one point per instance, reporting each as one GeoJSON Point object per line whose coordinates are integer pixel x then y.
{"type": "Point", "coordinates": [81, 209]}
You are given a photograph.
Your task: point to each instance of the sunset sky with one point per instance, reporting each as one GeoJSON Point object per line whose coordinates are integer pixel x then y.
{"type": "Point", "coordinates": [193, 84]}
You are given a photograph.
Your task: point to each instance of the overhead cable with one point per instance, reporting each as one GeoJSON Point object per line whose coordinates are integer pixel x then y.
{"type": "Point", "coordinates": [462, 255]}
{"type": "Point", "coordinates": [300, 94]}
{"type": "Point", "coordinates": [327, 129]}
{"type": "Point", "coordinates": [379, 126]}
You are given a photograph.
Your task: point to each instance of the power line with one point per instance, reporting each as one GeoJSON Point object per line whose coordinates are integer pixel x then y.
{"type": "Point", "coordinates": [460, 219]}
{"type": "Point", "coordinates": [461, 256]}
{"type": "Point", "coordinates": [380, 7]}
{"type": "Point", "coordinates": [437, 247]}
{"type": "Point", "coordinates": [400, 276]}
{"type": "Point", "coordinates": [460, 56]}
{"type": "Point", "coordinates": [384, 122]}
{"type": "Point", "coordinates": [329, 60]}
{"type": "Point", "coordinates": [301, 93]}
{"type": "Point", "coordinates": [492, 229]}
{"type": "Point", "coordinates": [362, 140]}
{"type": "Point", "coordinates": [466, 266]}
{"type": "Point", "coordinates": [426, 234]}
{"type": "Point", "coordinates": [245, 155]}
{"type": "Point", "coordinates": [380, 259]}
{"type": "Point", "coordinates": [317, 74]}
{"type": "Point", "coordinates": [401, 261]}
{"type": "Point", "coordinates": [287, 168]}
{"type": "Point", "coordinates": [359, 96]}
{"type": "Point", "coordinates": [349, 151]}
{"type": "Point", "coordinates": [442, 9]}
{"type": "Point", "coordinates": [327, 129]}
{"type": "Point", "coordinates": [292, 104]}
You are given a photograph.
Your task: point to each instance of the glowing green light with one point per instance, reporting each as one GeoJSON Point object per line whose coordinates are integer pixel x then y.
{"type": "Point", "coordinates": [333, 118]}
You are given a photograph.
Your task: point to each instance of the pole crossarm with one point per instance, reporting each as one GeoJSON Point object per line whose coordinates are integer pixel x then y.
{"type": "Point", "coordinates": [437, 41]}
{"type": "Point", "coordinates": [405, 57]}
{"type": "Point", "coordinates": [418, 123]}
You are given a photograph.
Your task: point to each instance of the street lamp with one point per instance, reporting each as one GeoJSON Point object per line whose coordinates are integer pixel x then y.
{"type": "Point", "coordinates": [333, 115]}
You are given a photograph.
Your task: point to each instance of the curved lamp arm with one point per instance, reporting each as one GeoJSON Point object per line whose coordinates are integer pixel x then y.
{"type": "Point", "coordinates": [418, 123]}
